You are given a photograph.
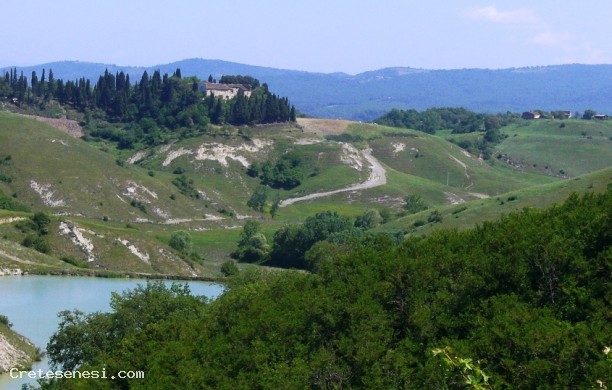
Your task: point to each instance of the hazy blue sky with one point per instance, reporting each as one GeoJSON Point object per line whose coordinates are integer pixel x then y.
{"type": "Point", "coordinates": [316, 35]}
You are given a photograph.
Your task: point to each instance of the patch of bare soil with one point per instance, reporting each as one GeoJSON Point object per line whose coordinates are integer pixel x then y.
{"type": "Point", "coordinates": [323, 126]}
{"type": "Point", "coordinates": [68, 126]}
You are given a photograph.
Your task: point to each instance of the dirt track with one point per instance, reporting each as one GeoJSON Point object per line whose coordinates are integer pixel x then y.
{"type": "Point", "coordinates": [378, 177]}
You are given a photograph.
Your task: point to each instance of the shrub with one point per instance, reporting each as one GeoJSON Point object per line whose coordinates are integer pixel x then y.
{"type": "Point", "coordinates": [185, 186]}
{"type": "Point", "coordinates": [41, 221]}
{"type": "Point", "coordinates": [229, 268]}
{"type": "Point", "coordinates": [4, 320]}
{"type": "Point", "coordinates": [139, 205]}
{"type": "Point", "coordinates": [368, 220]}
{"type": "Point", "coordinates": [42, 245]}
{"type": "Point", "coordinates": [73, 261]}
{"type": "Point", "coordinates": [227, 212]}
{"type": "Point", "coordinates": [181, 241]}
{"type": "Point", "coordinates": [434, 217]}
{"type": "Point", "coordinates": [386, 215]}
{"type": "Point", "coordinates": [414, 204]}
{"type": "Point", "coordinates": [460, 209]}
{"type": "Point", "coordinates": [258, 199]}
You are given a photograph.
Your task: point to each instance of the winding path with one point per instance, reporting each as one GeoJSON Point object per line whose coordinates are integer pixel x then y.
{"type": "Point", "coordinates": [378, 177]}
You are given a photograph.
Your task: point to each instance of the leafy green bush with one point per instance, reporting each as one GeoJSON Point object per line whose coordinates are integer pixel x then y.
{"type": "Point", "coordinates": [368, 220]}
{"type": "Point", "coordinates": [229, 268]}
{"type": "Point", "coordinates": [71, 260]}
{"type": "Point", "coordinates": [186, 187]}
{"type": "Point", "coordinates": [181, 241]}
{"type": "Point", "coordinates": [434, 217]}
{"type": "Point", "coordinates": [4, 320]}
{"type": "Point", "coordinates": [414, 203]}
{"type": "Point", "coordinates": [8, 203]}
{"type": "Point", "coordinates": [258, 199]}
{"type": "Point", "coordinates": [139, 205]}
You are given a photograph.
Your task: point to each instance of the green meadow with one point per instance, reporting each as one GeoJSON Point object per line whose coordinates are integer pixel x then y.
{"type": "Point", "coordinates": [126, 204]}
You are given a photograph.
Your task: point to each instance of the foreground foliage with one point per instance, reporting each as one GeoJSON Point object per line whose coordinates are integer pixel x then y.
{"type": "Point", "coordinates": [527, 298]}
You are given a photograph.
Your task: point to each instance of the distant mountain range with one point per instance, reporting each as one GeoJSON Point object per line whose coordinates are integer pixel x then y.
{"type": "Point", "coordinates": [368, 95]}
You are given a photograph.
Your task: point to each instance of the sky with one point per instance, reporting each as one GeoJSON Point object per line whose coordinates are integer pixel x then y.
{"type": "Point", "coordinates": [350, 36]}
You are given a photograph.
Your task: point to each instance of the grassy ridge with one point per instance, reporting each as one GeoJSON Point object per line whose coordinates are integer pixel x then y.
{"type": "Point", "coordinates": [476, 211]}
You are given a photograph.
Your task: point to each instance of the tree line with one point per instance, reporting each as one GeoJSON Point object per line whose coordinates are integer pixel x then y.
{"type": "Point", "coordinates": [154, 104]}
{"type": "Point", "coordinates": [459, 120]}
{"type": "Point", "coordinates": [525, 300]}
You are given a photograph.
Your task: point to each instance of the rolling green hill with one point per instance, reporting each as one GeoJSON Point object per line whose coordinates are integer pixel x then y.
{"type": "Point", "coordinates": [114, 211]}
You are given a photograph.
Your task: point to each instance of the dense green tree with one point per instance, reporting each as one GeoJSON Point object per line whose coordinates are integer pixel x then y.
{"type": "Point", "coordinates": [368, 220]}
{"type": "Point", "coordinates": [459, 120]}
{"type": "Point", "coordinates": [244, 80]}
{"type": "Point", "coordinates": [291, 242]}
{"type": "Point", "coordinates": [287, 172]}
{"type": "Point", "coordinates": [258, 199]}
{"type": "Point", "coordinates": [589, 114]}
{"type": "Point", "coordinates": [253, 246]}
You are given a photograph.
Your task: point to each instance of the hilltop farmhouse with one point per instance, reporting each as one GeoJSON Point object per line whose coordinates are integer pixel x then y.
{"type": "Point", "coordinates": [531, 115]}
{"type": "Point", "coordinates": [225, 91]}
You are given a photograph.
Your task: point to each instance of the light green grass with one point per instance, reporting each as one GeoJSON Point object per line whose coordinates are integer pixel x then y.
{"type": "Point", "coordinates": [477, 211]}
{"type": "Point", "coordinates": [545, 147]}
{"type": "Point", "coordinates": [93, 186]}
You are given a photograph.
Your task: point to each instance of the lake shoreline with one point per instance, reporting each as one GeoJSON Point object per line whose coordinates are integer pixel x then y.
{"type": "Point", "coordinates": [110, 275]}
{"type": "Point", "coordinates": [32, 302]}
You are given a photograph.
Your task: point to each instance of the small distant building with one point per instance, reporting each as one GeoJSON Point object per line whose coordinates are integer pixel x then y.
{"type": "Point", "coordinates": [531, 115]}
{"type": "Point", "coordinates": [567, 114]}
{"type": "Point", "coordinates": [600, 117]}
{"type": "Point", "coordinates": [225, 91]}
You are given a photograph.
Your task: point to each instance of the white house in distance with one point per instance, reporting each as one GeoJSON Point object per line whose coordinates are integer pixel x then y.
{"type": "Point", "coordinates": [225, 91]}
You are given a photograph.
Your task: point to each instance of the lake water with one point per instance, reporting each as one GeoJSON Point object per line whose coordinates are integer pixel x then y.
{"type": "Point", "coordinates": [32, 302]}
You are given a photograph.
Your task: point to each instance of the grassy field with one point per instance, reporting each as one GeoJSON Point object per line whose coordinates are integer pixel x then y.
{"type": "Point", "coordinates": [127, 204]}
{"type": "Point", "coordinates": [469, 214]}
{"type": "Point", "coordinates": [568, 148]}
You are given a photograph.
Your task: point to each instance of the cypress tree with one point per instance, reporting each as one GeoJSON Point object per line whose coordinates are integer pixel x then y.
{"type": "Point", "coordinates": [292, 117]}
{"type": "Point", "coordinates": [34, 82]}
{"type": "Point", "coordinates": [41, 91]}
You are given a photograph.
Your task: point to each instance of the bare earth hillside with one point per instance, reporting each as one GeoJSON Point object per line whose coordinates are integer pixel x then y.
{"type": "Point", "coordinates": [68, 126]}
{"type": "Point", "coordinates": [323, 126]}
